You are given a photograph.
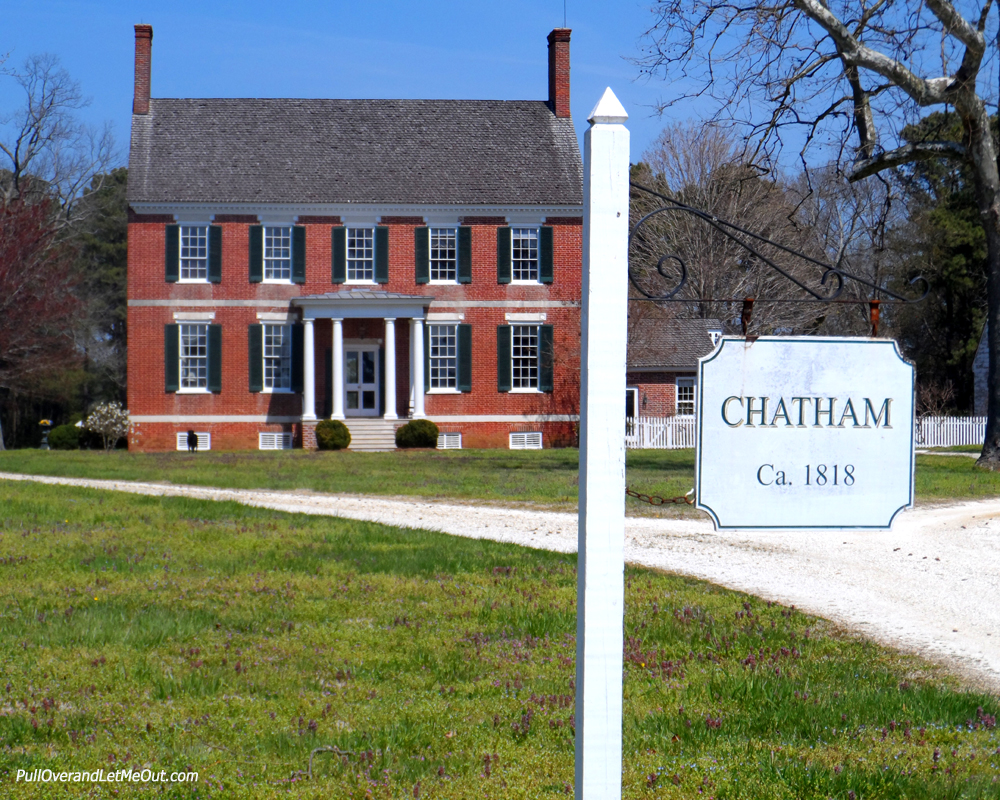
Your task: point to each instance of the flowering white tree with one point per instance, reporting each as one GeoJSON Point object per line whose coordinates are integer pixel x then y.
{"type": "Point", "coordinates": [111, 421]}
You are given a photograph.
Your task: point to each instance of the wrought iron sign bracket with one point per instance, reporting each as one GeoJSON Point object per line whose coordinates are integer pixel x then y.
{"type": "Point", "coordinates": [831, 280]}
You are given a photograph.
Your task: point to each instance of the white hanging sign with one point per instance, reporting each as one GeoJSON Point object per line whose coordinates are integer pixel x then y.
{"type": "Point", "coordinates": [804, 432]}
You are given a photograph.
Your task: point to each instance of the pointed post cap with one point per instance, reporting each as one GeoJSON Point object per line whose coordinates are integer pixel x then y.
{"type": "Point", "coordinates": [608, 109]}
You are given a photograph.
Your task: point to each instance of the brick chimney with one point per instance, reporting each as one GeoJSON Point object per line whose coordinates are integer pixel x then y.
{"type": "Point", "coordinates": [143, 56]}
{"type": "Point", "coordinates": [559, 71]}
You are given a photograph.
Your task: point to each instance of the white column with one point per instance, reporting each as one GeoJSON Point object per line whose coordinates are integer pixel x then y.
{"type": "Point", "coordinates": [338, 369]}
{"type": "Point", "coordinates": [309, 372]}
{"type": "Point", "coordinates": [601, 565]}
{"type": "Point", "coordinates": [409, 410]}
{"type": "Point", "coordinates": [390, 368]}
{"type": "Point", "coordinates": [418, 369]}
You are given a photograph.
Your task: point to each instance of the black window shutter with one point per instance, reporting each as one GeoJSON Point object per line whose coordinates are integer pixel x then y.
{"type": "Point", "coordinates": [545, 254]}
{"type": "Point", "coordinates": [298, 357]}
{"type": "Point", "coordinates": [171, 356]}
{"type": "Point", "coordinates": [256, 253]}
{"type": "Point", "coordinates": [214, 254]}
{"type": "Point", "coordinates": [503, 255]}
{"type": "Point", "coordinates": [215, 358]}
{"type": "Point", "coordinates": [465, 358]}
{"type": "Point", "coordinates": [172, 257]}
{"type": "Point", "coordinates": [427, 356]}
{"type": "Point", "coordinates": [338, 255]}
{"type": "Point", "coordinates": [545, 357]}
{"type": "Point", "coordinates": [255, 357]}
{"type": "Point", "coordinates": [382, 254]}
{"type": "Point", "coordinates": [421, 254]}
{"type": "Point", "coordinates": [465, 254]}
{"type": "Point", "coordinates": [298, 254]}
{"type": "Point", "coordinates": [503, 358]}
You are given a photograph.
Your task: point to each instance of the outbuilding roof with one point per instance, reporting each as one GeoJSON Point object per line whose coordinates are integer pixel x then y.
{"type": "Point", "coordinates": [671, 344]}
{"type": "Point", "coordinates": [421, 152]}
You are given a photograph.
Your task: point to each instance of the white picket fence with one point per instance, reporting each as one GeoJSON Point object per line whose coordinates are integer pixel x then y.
{"type": "Point", "coordinates": [950, 431]}
{"type": "Point", "coordinates": [660, 433]}
{"type": "Point", "coordinates": [673, 433]}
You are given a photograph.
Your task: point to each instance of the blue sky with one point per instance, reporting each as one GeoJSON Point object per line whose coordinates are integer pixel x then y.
{"type": "Point", "coordinates": [391, 49]}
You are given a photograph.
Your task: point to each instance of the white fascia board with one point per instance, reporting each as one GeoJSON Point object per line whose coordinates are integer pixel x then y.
{"type": "Point", "coordinates": [362, 213]}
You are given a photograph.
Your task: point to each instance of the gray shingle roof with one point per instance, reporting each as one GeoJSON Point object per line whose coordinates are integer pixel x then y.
{"type": "Point", "coordinates": [354, 151]}
{"type": "Point", "coordinates": [676, 344]}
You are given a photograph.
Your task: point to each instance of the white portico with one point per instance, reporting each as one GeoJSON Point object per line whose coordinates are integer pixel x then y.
{"type": "Point", "coordinates": [362, 375]}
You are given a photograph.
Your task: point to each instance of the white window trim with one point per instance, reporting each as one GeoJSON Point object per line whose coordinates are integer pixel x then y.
{"type": "Point", "coordinates": [538, 361]}
{"type": "Point", "coordinates": [193, 317]}
{"type": "Point", "coordinates": [526, 317]}
{"type": "Point", "coordinates": [693, 383]}
{"type": "Point", "coordinates": [347, 260]}
{"type": "Point", "coordinates": [291, 253]}
{"type": "Point", "coordinates": [439, 281]}
{"type": "Point", "coordinates": [538, 257]}
{"type": "Point", "coordinates": [266, 389]}
{"type": "Point", "coordinates": [442, 389]}
{"type": "Point", "coordinates": [445, 316]}
{"type": "Point", "coordinates": [277, 317]}
{"type": "Point", "coordinates": [208, 248]}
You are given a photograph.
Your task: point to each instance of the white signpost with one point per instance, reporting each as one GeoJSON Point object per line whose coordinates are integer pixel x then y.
{"type": "Point", "coordinates": [600, 604]}
{"type": "Point", "coordinates": [804, 432]}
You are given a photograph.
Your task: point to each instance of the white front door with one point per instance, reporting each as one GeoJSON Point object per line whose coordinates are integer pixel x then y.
{"type": "Point", "coordinates": [361, 380]}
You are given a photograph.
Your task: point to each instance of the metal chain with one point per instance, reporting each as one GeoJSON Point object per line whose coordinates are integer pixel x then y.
{"type": "Point", "coordinates": [656, 500]}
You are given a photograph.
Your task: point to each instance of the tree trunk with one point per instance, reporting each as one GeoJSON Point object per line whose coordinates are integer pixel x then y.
{"type": "Point", "coordinates": [1, 432]}
{"type": "Point", "coordinates": [991, 445]}
{"type": "Point", "coordinates": [987, 178]}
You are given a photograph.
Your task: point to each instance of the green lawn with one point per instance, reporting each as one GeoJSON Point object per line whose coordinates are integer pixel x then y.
{"type": "Point", "coordinates": [234, 641]}
{"type": "Point", "coordinates": [545, 478]}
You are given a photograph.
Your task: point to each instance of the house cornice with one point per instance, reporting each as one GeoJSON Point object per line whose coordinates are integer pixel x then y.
{"type": "Point", "coordinates": [515, 214]}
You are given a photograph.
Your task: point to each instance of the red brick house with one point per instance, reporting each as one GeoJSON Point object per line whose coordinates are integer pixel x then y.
{"type": "Point", "coordinates": [292, 260]}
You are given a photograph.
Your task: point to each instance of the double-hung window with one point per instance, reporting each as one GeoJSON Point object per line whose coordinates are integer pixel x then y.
{"type": "Point", "coordinates": [443, 342]}
{"type": "Point", "coordinates": [360, 255]}
{"type": "Point", "coordinates": [194, 252]}
{"type": "Point", "coordinates": [685, 397]}
{"type": "Point", "coordinates": [443, 255]}
{"type": "Point", "coordinates": [277, 357]}
{"type": "Point", "coordinates": [193, 356]}
{"type": "Point", "coordinates": [278, 254]}
{"type": "Point", "coordinates": [524, 356]}
{"type": "Point", "coordinates": [524, 255]}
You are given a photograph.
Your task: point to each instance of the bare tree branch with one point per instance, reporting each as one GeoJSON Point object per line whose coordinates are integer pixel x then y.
{"type": "Point", "coordinates": [921, 151]}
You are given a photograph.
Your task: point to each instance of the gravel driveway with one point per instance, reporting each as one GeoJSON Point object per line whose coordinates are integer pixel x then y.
{"type": "Point", "coordinates": [930, 586]}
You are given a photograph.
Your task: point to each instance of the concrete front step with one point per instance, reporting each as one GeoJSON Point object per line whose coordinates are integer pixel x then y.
{"type": "Point", "coordinates": [372, 435]}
